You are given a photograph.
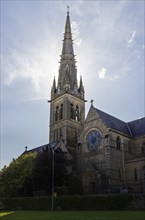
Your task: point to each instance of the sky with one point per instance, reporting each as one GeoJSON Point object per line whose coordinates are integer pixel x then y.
{"type": "Point", "coordinates": [109, 43]}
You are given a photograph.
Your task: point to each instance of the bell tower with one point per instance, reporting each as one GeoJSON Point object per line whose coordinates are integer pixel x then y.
{"type": "Point", "coordinates": [67, 104]}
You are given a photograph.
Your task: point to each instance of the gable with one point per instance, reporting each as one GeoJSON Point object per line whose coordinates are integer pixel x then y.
{"type": "Point", "coordinates": [92, 114]}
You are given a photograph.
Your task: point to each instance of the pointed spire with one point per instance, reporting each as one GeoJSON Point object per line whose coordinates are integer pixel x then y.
{"type": "Point", "coordinates": [81, 88]}
{"type": "Point", "coordinates": [54, 84]}
{"type": "Point", "coordinates": [81, 83]}
{"type": "Point", "coordinates": [67, 71]}
{"type": "Point", "coordinates": [67, 77]}
{"type": "Point", "coordinates": [67, 42]}
{"type": "Point", "coordinates": [53, 89]}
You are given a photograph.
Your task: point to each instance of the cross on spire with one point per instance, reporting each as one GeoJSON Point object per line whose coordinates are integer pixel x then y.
{"type": "Point", "coordinates": [92, 101]}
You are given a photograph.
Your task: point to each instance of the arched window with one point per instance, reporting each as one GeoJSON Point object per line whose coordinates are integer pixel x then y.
{"type": "Point", "coordinates": [92, 187]}
{"type": "Point", "coordinates": [120, 174]}
{"type": "Point", "coordinates": [76, 136]}
{"type": "Point", "coordinates": [143, 148]}
{"type": "Point", "coordinates": [60, 133]}
{"type": "Point", "coordinates": [72, 111]}
{"type": "Point", "coordinates": [77, 114]}
{"type": "Point", "coordinates": [55, 135]}
{"type": "Point", "coordinates": [56, 114]}
{"type": "Point", "coordinates": [79, 147]}
{"type": "Point", "coordinates": [118, 143]}
{"type": "Point", "coordinates": [61, 112]}
{"type": "Point", "coordinates": [143, 172]}
{"type": "Point", "coordinates": [129, 148]}
{"type": "Point", "coordinates": [135, 175]}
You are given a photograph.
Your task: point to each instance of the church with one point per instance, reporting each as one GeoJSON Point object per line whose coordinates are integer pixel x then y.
{"type": "Point", "coordinates": [109, 153]}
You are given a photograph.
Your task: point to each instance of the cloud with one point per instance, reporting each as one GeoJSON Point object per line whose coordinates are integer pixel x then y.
{"type": "Point", "coordinates": [131, 39]}
{"type": "Point", "coordinates": [102, 73]}
{"type": "Point", "coordinates": [24, 66]}
{"type": "Point", "coordinates": [76, 34]}
{"type": "Point", "coordinates": [115, 77]}
{"type": "Point", "coordinates": [28, 70]}
{"type": "Point", "coordinates": [33, 64]}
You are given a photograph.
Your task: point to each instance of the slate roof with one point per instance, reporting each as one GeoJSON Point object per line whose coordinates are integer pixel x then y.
{"type": "Point", "coordinates": [57, 146]}
{"type": "Point", "coordinates": [135, 128]}
{"type": "Point", "coordinates": [43, 148]}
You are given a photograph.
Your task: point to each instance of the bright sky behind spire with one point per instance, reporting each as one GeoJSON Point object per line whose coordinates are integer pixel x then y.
{"type": "Point", "coordinates": [109, 46]}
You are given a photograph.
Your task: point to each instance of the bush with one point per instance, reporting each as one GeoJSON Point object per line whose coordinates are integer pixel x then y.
{"type": "Point", "coordinates": [27, 203]}
{"type": "Point", "coordinates": [68, 203]}
{"type": "Point", "coordinates": [91, 203]}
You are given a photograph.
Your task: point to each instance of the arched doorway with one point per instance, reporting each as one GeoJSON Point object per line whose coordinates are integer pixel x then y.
{"type": "Point", "coordinates": [89, 182]}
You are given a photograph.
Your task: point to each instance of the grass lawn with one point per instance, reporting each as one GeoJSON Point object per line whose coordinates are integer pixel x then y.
{"type": "Point", "coordinates": [75, 215]}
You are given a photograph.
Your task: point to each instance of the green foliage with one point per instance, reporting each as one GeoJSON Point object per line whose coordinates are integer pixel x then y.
{"type": "Point", "coordinates": [71, 203]}
{"type": "Point", "coordinates": [31, 175]}
{"type": "Point", "coordinates": [93, 202]}
{"type": "Point", "coordinates": [14, 179]}
{"type": "Point", "coordinates": [42, 174]}
{"type": "Point", "coordinates": [27, 203]}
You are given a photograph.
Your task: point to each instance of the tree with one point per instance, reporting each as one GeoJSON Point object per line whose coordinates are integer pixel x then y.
{"type": "Point", "coordinates": [42, 175]}
{"type": "Point", "coordinates": [31, 174]}
{"type": "Point", "coordinates": [15, 179]}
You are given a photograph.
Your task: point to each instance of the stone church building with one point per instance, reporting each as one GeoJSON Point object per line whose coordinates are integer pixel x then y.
{"type": "Point", "coordinates": [108, 152]}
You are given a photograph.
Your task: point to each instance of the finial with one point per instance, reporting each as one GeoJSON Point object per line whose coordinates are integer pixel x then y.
{"type": "Point", "coordinates": [67, 9]}
{"type": "Point", "coordinates": [26, 148]}
{"type": "Point", "coordinates": [92, 101]}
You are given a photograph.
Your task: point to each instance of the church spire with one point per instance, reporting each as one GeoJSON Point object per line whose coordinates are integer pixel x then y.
{"type": "Point", "coordinates": [67, 49]}
{"type": "Point", "coordinates": [67, 80]}
{"type": "Point", "coordinates": [67, 77]}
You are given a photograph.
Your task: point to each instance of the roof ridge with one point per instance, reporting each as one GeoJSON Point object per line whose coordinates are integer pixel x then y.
{"type": "Point", "coordinates": [129, 129]}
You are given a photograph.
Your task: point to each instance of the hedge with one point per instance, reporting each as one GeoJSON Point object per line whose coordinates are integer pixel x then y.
{"type": "Point", "coordinates": [71, 203]}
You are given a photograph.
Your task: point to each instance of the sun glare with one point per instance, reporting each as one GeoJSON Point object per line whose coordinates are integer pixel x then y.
{"type": "Point", "coordinates": [5, 213]}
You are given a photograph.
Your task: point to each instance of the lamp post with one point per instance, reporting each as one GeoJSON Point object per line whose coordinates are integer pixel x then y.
{"type": "Point", "coordinates": [52, 196]}
{"type": "Point", "coordinates": [52, 189]}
